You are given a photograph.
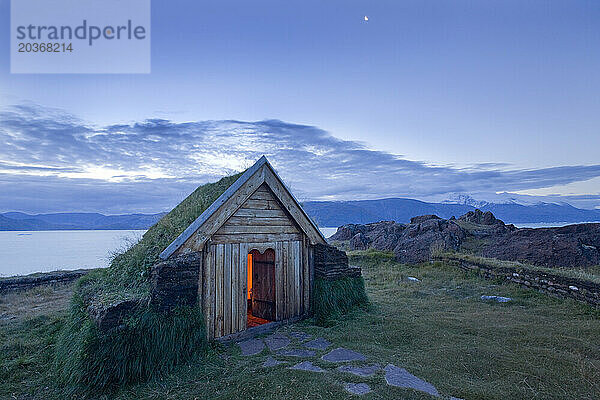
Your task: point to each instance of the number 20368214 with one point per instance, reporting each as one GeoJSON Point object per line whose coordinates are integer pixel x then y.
{"type": "Point", "coordinates": [24, 47]}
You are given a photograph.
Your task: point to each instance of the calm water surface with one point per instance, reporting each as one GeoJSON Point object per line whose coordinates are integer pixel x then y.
{"type": "Point", "coordinates": [42, 251]}
{"type": "Point", "coordinates": [23, 253]}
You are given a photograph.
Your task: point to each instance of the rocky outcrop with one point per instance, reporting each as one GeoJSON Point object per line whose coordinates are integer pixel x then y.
{"type": "Point", "coordinates": [481, 218]}
{"type": "Point", "coordinates": [360, 241]}
{"type": "Point", "coordinates": [481, 233]}
{"type": "Point", "coordinates": [381, 235]}
{"type": "Point", "coordinates": [331, 263]}
{"type": "Point", "coordinates": [423, 218]}
{"type": "Point", "coordinates": [411, 243]}
{"type": "Point", "coordinates": [568, 246]}
{"type": "Point", "coordinates": [423, 236]}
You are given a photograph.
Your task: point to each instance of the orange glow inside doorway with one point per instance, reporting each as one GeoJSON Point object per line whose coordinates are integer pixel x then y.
{"type": "Point", "coordinates": [249, 275]}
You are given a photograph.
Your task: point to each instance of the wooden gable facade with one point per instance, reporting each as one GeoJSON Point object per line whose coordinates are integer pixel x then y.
{"type": "Point", "coordinates": [256, 245]}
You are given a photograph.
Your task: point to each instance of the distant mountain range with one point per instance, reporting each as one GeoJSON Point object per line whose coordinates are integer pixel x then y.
{"type": "Point", "coordinates": [325, 213]}
{"type": "Point", "coordinates": [337, 213]}
{"type": "Point", "coordinates": [16, 221]}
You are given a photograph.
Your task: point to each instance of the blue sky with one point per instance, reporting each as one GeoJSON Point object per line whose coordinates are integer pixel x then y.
{"type": "Point", "coordinates": [430, 98]}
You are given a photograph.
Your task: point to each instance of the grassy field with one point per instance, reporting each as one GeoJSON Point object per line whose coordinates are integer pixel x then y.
{"type": "Point", "coordinates": [535, 347]}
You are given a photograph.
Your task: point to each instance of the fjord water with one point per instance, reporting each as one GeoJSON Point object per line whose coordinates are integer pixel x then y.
{"type": "Point", "coordinates": [23, 253]}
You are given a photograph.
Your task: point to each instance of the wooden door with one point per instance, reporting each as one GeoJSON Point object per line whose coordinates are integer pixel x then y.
{"type": "Point", "coordinates": [263, 284]}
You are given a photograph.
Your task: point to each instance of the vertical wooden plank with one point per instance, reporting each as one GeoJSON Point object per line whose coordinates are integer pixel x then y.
{"type": "Point", "coordinates": [291, 280]}
{"type": "Point", "coordinates": [311, 276]}
{"type": "Point", "coordinates": [210, 292]}
{"type": "Point", "coordinates": [219, 256]}
{"type": "Point", "coordinates": [235, 292]}
{"type": "Point", "coordinates": [279, 282]}
{"type": "Point", "coordinates": [243, 308]}
{"type": "Point", "coordinates": [305, 278]}
{"type": "Point", "coordinates": [284, 267]}
{"type": "Point", "coordinates": [227, 290]}
{"type": "Point", "coordinates": [298, 282]}
{"type": "Point", "coordinates": [206, 288]}
{"type": "Point", "coordinates": [201, 283]}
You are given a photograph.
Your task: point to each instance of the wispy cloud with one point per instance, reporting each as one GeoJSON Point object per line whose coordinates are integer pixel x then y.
{"type": "Point", "coordinates": [51, 160]}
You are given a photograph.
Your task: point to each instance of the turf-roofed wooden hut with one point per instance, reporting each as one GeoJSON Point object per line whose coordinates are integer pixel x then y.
{"type": "Point", "coordinates": [233, 254]}
{"type": "Point", "coordinates": [256, 244]}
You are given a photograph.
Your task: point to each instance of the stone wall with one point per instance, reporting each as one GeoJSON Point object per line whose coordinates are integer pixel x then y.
{"type": "Point", "coordinates": [331, 263]}
{"type": "Point", "coordinates": [46, 278]}
{"type": "Point", "coordinates": [174, 283]}
{"type": "Point", "coordinates": [555, 285]}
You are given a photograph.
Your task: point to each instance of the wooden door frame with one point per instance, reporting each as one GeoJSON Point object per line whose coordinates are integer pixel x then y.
{"type": "Point", "coordinates": [261, 247]}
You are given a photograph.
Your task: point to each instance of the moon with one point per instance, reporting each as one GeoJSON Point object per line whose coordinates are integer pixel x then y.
{"type": "Point", "coordinates": [366, 19]}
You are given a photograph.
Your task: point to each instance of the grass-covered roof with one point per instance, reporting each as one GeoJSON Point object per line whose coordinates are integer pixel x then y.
{"type": "Point", "coordinates": [128, 274]}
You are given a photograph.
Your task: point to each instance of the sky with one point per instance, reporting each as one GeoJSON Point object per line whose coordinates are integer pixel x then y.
{"type": "Point", "coordinates": [427, 100]}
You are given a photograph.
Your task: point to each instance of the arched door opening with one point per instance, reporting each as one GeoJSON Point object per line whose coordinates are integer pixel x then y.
{"type": "Point", "coordinates": [261, 287]}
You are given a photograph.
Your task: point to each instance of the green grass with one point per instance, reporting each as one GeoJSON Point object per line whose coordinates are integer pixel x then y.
{"type": "Point", "coordinates": [535, 347]}
{"type": "Point", "coordinates": [150, 343]}
{"type": "Point", "coordinates": [334, 298]}
{"type": "Point", "coordinates": [591, 274]}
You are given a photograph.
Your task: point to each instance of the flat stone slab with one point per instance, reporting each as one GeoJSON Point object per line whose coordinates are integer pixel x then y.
{"type": "Point", "coordinates": [277, 341]}
{"type": "Point", "coordinates": [301, 336]}
{"type": "Point", "coordinates": [297, 353]}
{"type": "Point", "coordinates": [307, 366]}
{"type": "Point", "coordinates": [399, 377]}
{"type": "Point", "coordinates": [357, 388]}
{"type": "Point", "coordinates": [317, 344]}
{"type": "Point", "coordinates": [363, 370]}
{"type": "Point", "coordinates": [498, 299]}
{"type": "Point", "coordinates": [343, 355]}
{"type": "Point", "coordinates": [271, 362]}
{"type": "Point", "coordinates": [251, 347]}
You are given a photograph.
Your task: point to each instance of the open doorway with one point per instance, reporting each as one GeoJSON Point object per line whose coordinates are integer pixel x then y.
{"type": "Point", "coordinates": [261, 287]}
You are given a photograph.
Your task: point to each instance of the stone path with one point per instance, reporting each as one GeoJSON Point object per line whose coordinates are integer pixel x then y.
{"type": "Point", "coordinates": [400, 377]}
{"type": "Point", "coordinates": [307, 366]}
{"type": "Point", "coordinates": [301, 336]}
{"type": "Point", "coordinates": [317, 344]}
{"type": "Point", "coordinates": [357, 388]}
{"type": "Point", "coordinates": [277, 341]}
{"type": "Point", "coordinates": [251, 347]}
{"type": "Point", "coordinates": [297, 353]}
{"type": "Point", "coordinates": [297, 344]}
{"type": "Point", "coordinates": [343, 355]}
{"type": "Point", "coordinates": [271, 362]}
{"type": "Point", "coordinates": [363, 370]}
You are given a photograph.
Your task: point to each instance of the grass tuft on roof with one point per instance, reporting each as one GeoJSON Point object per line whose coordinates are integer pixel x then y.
{"type": "Point", "coordinates": [128, 275]}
